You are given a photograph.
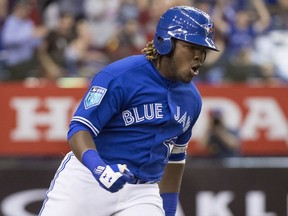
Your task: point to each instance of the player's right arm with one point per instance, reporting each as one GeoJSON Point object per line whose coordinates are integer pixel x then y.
{"type": "Point", "coordinates": [95, 110]}
{"type": "Point", "coordinates": [81, 142]}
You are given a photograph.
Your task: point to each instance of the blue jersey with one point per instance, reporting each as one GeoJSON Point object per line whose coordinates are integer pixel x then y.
{"type": "Point", "coordinates": [135, 115]}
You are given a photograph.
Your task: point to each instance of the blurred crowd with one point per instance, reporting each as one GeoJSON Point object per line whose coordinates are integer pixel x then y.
{"type": "Point", "coordinates": [51, 39]}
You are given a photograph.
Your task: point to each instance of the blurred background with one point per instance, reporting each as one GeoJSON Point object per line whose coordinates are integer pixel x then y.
{"type": "Point", "coordinates": [237, 158]}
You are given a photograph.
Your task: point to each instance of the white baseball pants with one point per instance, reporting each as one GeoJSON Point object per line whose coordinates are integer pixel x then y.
{"type": "Point", "coordinates": [75, 192]}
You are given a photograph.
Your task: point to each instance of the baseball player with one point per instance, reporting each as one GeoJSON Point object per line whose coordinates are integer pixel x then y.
{"type": "Point", "coordinates": [130, 132]}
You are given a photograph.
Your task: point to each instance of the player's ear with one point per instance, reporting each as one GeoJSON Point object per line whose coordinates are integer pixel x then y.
{"type": "Point", "coordinates": [173, 41]}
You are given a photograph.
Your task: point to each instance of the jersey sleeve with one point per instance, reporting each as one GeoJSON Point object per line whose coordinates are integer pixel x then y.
{"type": "Point", "coordinates": [178, 153]}
{"type": "Point", "coordinates": [100, 102]}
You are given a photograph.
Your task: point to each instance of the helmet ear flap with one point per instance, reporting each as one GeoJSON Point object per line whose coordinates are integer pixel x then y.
{"type": "Point", "coordinates": [164, 46]}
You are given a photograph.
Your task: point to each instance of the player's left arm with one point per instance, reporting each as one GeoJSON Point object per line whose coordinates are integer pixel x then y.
{"type": "Point", "coordinates": [170, 187]}
{"type": "Point", "coordinates": [171, 180]}
{"type": "Point", "coordinates": [170, 183]}
{"type": "Point", "coordinates": [172, 177]}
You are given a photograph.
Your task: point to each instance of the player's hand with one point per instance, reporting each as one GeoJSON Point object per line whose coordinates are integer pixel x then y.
{"type": "Point", "coordinates": [112, 177]}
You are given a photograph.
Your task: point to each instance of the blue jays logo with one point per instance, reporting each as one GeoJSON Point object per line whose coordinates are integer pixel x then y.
{"type": "Point", "coordinates": [208, 28]}
{"type": "Point", "coordinates": [94, 96]}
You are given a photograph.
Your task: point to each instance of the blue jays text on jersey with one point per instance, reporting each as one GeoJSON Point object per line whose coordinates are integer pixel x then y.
{"type": "Point", "coordinates": [135, 116]}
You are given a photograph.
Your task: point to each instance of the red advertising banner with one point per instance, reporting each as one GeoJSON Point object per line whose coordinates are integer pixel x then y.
{"type": "Point", "coordinates": [35, 120]}
{"type": "Point", "coordinates": [259, 113]}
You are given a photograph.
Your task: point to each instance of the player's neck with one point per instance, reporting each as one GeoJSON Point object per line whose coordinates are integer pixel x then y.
{"type": "Point", "coordinates": [156, 63]}
{"type": "Point", "coordinates": [162, 68]}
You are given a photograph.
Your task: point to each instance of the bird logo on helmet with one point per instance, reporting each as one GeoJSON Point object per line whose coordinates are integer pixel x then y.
{"type": "Point", "coordinates": [187, 24]}
{"type": "Point", "coordinates": [208, 28]}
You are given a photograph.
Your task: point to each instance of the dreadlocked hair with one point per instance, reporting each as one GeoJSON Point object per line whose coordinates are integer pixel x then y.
{"type": "Point", "coordinates": [150, 51]}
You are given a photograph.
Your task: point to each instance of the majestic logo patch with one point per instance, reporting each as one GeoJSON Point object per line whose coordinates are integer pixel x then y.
{"type": "Point", "coordinates": [94, 96]}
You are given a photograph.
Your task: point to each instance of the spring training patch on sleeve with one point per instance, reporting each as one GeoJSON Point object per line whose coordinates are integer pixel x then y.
{"type": "Point", "coordinates": [94, 96]}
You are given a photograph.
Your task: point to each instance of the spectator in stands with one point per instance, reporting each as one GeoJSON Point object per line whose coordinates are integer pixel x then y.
{"type": "Point", "coordinates": [248, 20]}
{"type": "Point", "coordinates": [20, 39]}
{"type": "Point", "coordinates": [240, 69]}
{"type": "Point", "coordinates": [50, 14]}
{"type": "Point", "coordinates": [52, 10]}
{"type": "Point", "coordinates": [81, 57]}
{"type": "Point", "coordinates": [218, 139]}
{"type": "Point", "coordinates": [127, 41]}
{"type": "Point", "coordinates": [102, 20]}
{"type": "Point", "coordinates": [272, 48]}
{"type": "Point", "coordinates": [51, 51]}
{"type": "Point", "coordinates": [128, 9]}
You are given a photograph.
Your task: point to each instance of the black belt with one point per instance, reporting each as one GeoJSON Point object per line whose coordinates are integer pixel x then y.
{"type": "Point", "coordinates": [139, 181]}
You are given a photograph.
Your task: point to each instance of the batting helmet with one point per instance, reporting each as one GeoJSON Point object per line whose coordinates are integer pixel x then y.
{"type": "Point", "coordinates": [187, 24]}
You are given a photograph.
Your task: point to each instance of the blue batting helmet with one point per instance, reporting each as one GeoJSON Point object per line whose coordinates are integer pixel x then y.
{"type": "Point", "coordinates": [187, 24]}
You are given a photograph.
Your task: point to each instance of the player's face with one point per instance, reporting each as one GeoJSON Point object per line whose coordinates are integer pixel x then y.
{"type": "Point", "coordinates": [185, 61]}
